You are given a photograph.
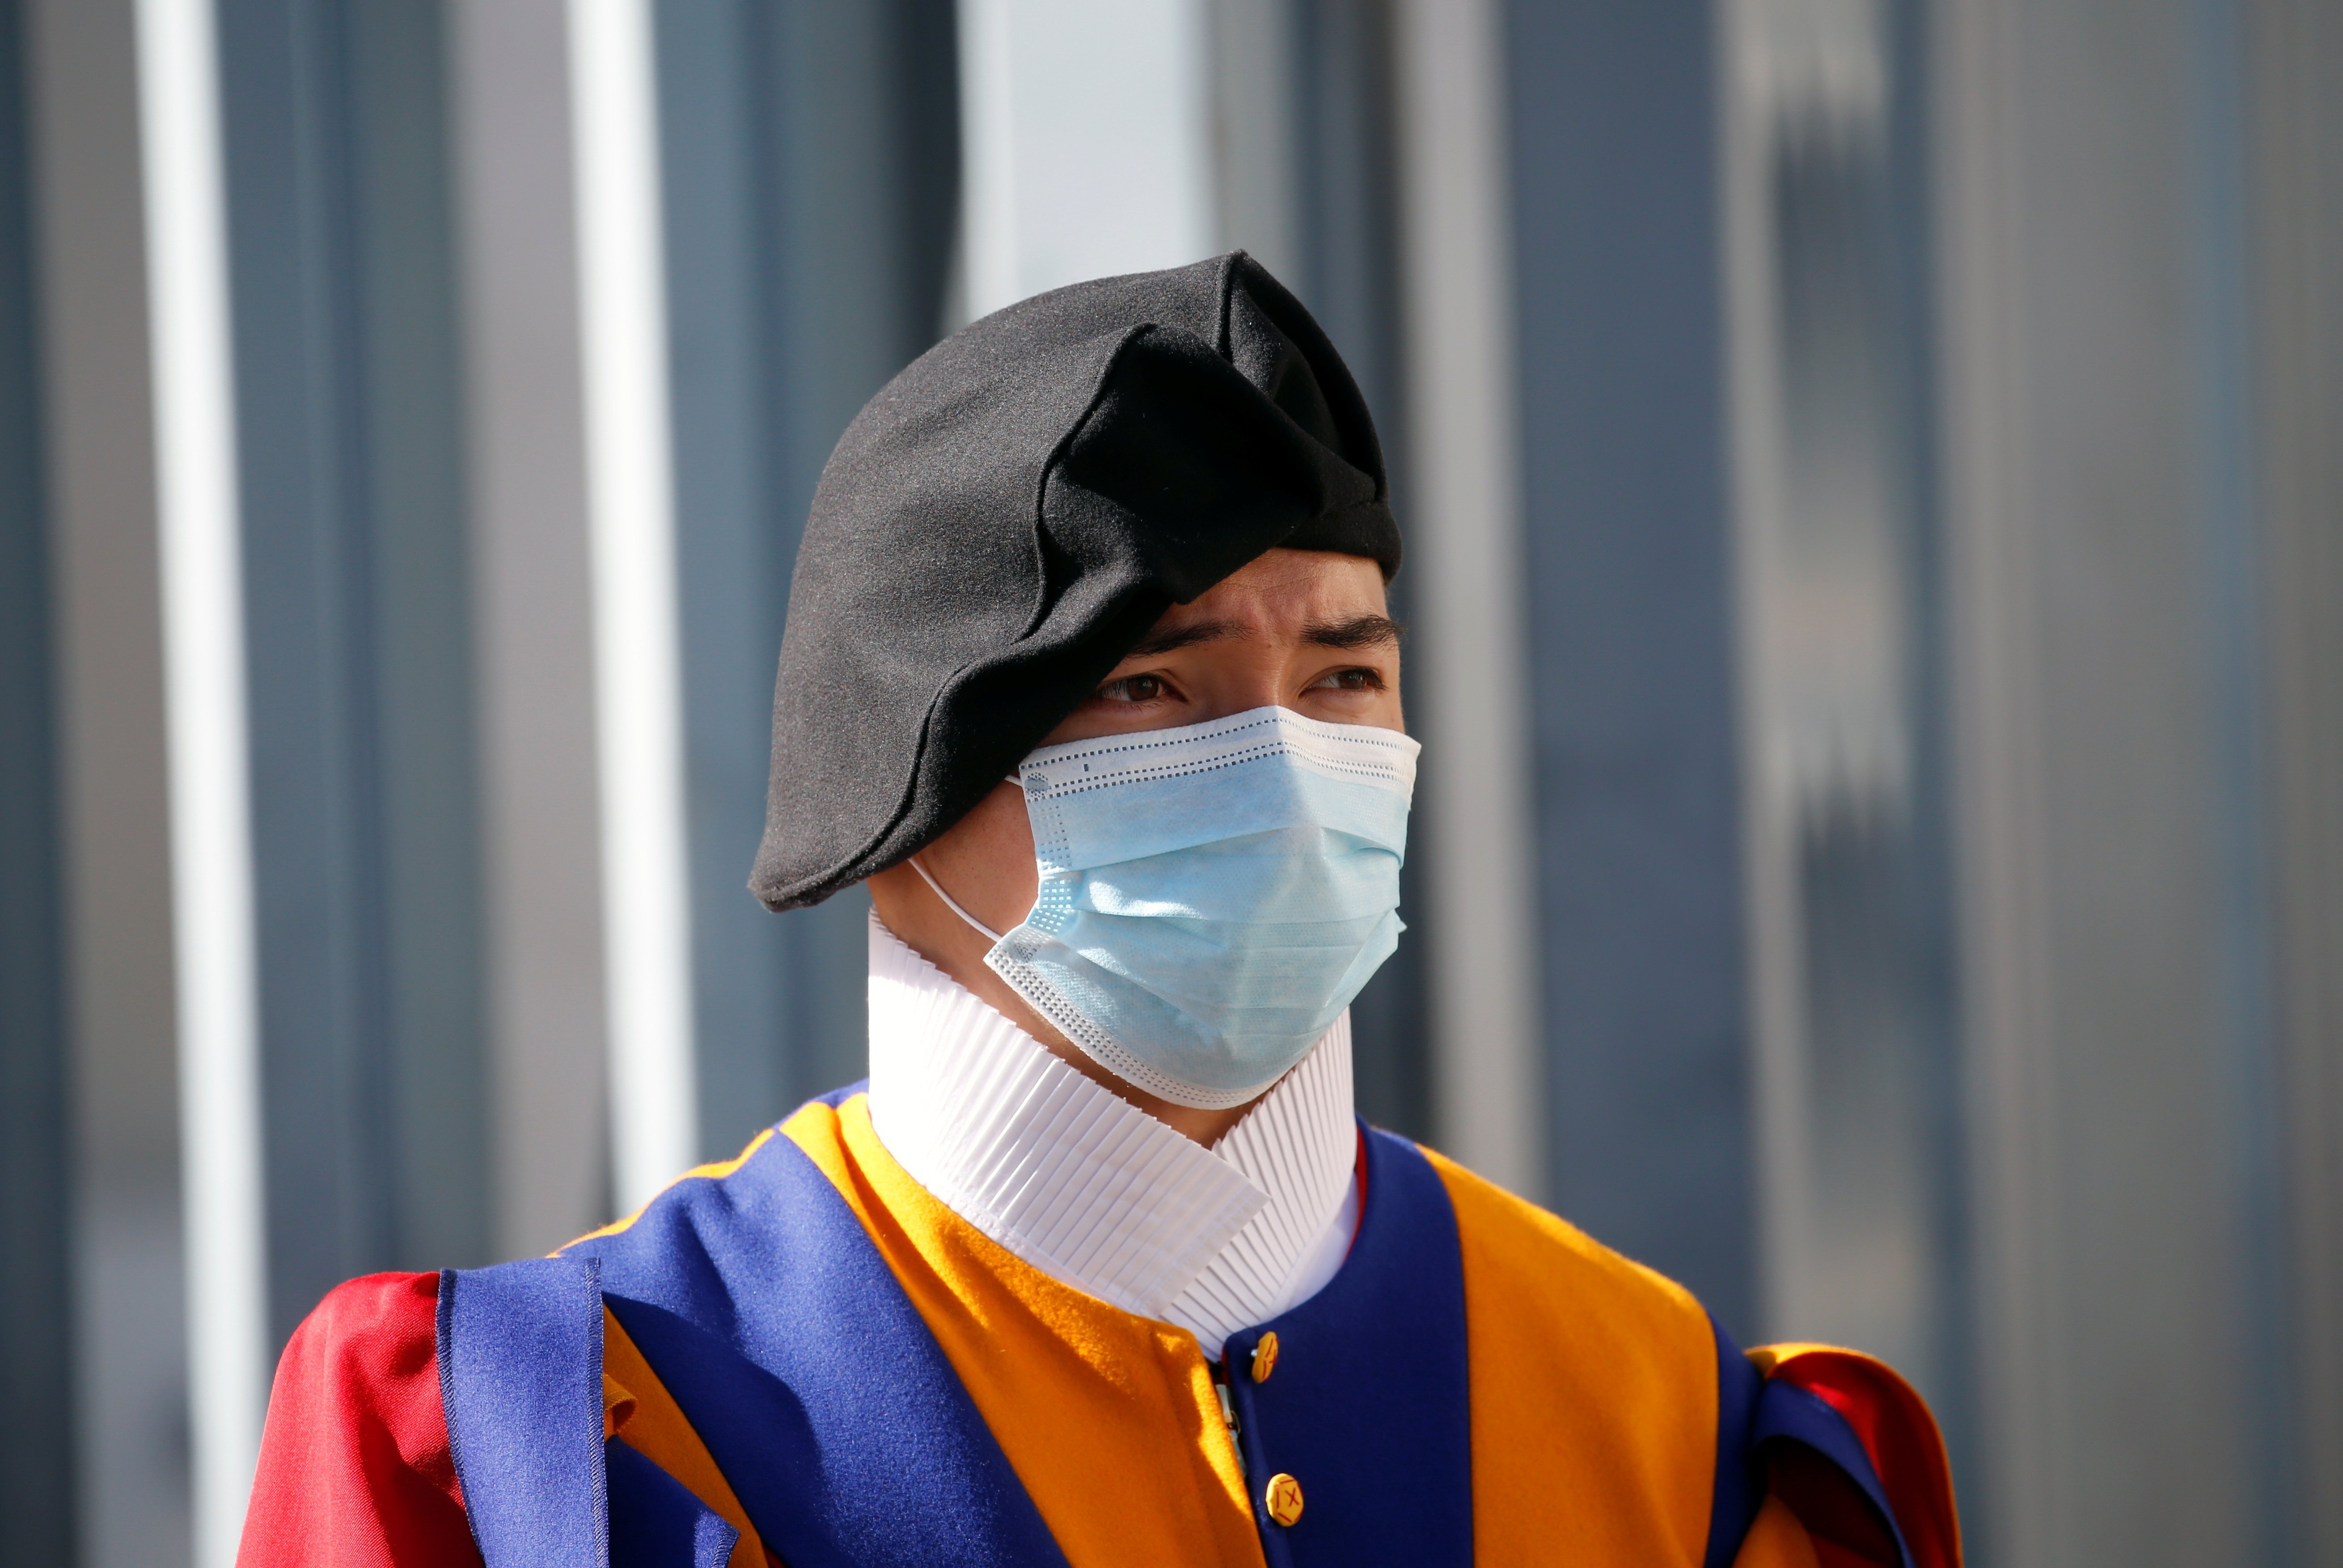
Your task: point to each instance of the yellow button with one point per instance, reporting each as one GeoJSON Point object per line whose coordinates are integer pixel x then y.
{"type": "Point", "coordinates": [1264, 1360]}
{"type": "Point", "coordinates": [1284, 1498]}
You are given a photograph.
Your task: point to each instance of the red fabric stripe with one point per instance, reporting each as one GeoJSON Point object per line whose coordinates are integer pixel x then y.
{"type": "Point", "coordinates": [356, 1470]}
{"type": "Point", "coordinates": [1897, 1431]}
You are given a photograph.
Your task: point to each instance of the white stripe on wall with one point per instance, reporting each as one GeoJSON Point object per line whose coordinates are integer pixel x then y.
{"type": "Point", "coordinates": [1086, 142]}
{"type": "Point", "coordinates": [630, 520]}
{"type": "Point", "coordinates": [210, 803]}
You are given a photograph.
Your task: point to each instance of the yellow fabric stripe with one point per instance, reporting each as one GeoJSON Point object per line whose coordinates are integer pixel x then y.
{"type": "Point", "coordinates": [1593, 1394]}
{"type": "Point", "coordinates": [1109, 1420]}
{"type": "Point", "coordinates": [639, 1412]}
{"type": "Point", "coordinates": [1765, 1358]}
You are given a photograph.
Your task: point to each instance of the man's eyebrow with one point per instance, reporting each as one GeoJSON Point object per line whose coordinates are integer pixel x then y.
{"type": "Point", "coordinates": [1359, 631]}
{"type": "Point", "coordinates": [1188, 636]}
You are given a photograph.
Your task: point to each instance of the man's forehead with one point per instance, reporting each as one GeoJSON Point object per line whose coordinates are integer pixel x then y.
{"type": "Point", "coordinates": [1288, 584]}
{"type": "Point", "coordinates": [1355, 631]}
{"type": "Point", "coordinates": [1286, 595]}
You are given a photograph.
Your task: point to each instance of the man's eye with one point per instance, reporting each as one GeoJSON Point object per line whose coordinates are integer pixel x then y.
{"type": "Point", "coordinates": [1349, 680]}
{"type": "Point", "coordinates": [1133, 689]}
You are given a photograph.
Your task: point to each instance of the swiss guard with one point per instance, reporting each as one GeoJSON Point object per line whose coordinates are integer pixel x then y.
{"type": "Point", "coordinates": [1089, 675]}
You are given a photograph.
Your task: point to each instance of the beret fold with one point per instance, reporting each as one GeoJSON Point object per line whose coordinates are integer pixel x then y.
{"type": "Point", "coordinates": [1006, 519]}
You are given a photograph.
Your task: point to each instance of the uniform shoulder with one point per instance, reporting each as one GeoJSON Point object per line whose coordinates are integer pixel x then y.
{"type": "Point", "coordinates": [1860, 1429]}
{"type": "Point", "coordinates": [1587, 1366]}
{"type": "Point", "coordinates": [355, 1462]}
{"type": "Point", "coordinates": [1540, 1257]}
{"type": "Point", "coordinates": [386, 1324]}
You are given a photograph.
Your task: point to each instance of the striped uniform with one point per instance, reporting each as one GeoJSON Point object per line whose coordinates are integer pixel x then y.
{"type": "Point", "coordinates": [800, 1356]}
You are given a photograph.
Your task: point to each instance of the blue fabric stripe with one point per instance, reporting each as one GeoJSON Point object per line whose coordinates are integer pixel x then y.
{"type": "Point", "coordinates": [520, 1368]}
{"type": "Point", "coordinates": [765, 1309]}
{"type": "Point", "coordinates": [1788, 1414]}
{"type": "Point", "coordinates": [1369, 1407]}
{"type": "Point", "coordinates": [1740, 1482]}
{"type": "Point", "coordinates": [655, 1522]}
{"type": "Point", "coordinates": [838, 1096]}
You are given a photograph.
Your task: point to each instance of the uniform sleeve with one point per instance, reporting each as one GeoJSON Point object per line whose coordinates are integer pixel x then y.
{"type": "Point", "coordinates": [1844, 1498]}
{"type": "Point", "coordinates": [356, 1469]}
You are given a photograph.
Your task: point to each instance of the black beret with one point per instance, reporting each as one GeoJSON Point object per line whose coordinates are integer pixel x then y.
{"type": "Point", "coordinates": [1006, 519]}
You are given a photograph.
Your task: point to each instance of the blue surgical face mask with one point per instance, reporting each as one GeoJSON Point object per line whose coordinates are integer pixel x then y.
{"type": "Point", "coordinates": [1212, 897]}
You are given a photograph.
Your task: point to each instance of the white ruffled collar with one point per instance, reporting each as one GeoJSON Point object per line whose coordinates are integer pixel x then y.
{"type": "Point", "coordinates": [1090, 1189]}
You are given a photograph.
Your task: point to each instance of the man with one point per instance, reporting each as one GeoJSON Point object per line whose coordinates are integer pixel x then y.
{"type": "Point", "coordinates": [1089, 676]}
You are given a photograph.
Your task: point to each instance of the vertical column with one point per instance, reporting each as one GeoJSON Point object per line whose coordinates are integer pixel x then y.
{"type": "Point", "coordinates": [630, 530]}
{"type": "Point", "coordinates": [732, 562]}
{"type": "Point", "coordinates": [353, 528]}
{"type": "Point", "coordinates": [129, 1368]}
{"type": "Point", "coordinates": [2088, 751]}
{"type": "Point", "coordinates": [2293, 133]}
{"type": "Point", "coordinates": [1473, 693]}
{"type": "Point", "coordinates": [309, 626]}
{"type": "Point", "coordinates": [210, 813]}
{"type": "Point", "coordinates": [1842, 830]}
{"type": "Point", "coordinates": [1342, 136]}
{"type": "Point", "coordinates": [37, 1312]}
{"type": "Point", "coordinates": [810, 193]}
{"type": "Point", "coordinates": [406, 432]}
{"type": "Point", "coordinates": [2230, 544]}
{"type": "Point", "coordinates": [1259, 173]}
{"type": "Point", "coordinates": [1633, 705]}
{"type": "Point", "coordinates": [1086, 142]}
{"type": "Point", "coordinates": [532, 620]}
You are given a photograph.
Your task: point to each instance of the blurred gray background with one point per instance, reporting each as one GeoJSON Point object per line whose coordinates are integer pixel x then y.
{"type": "Point", "coordinates": [1875, 504]}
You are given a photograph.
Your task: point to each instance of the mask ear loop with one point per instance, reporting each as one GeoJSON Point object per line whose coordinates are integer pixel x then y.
{"type": "Point", "coordinates": [952, 904]}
